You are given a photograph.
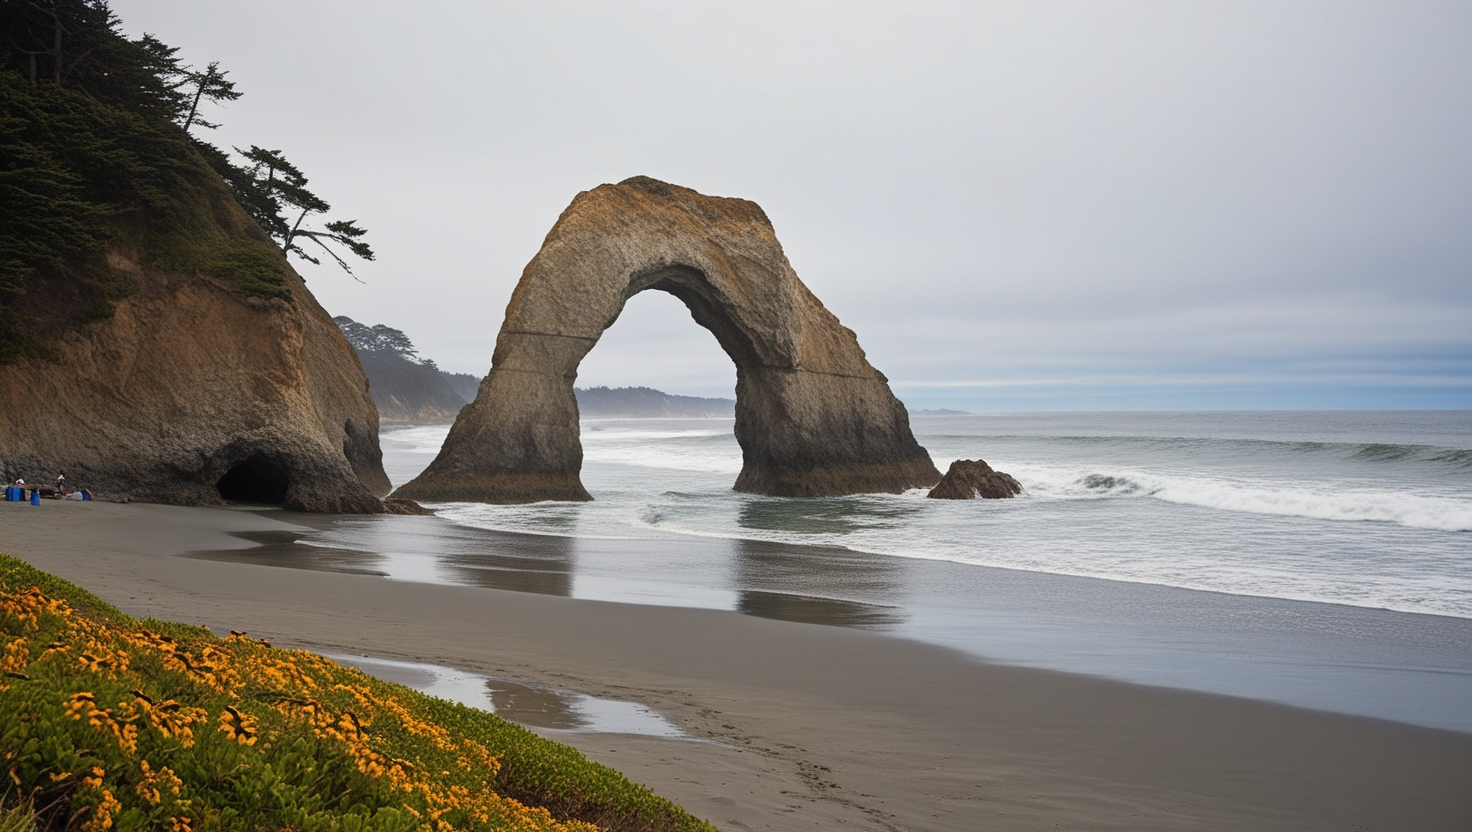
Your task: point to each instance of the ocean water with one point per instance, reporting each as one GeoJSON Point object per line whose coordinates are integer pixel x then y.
{"type": "Point", "coordinates": [1370, 509]}
{"type": "Point", "coordinates": [1316, 559]}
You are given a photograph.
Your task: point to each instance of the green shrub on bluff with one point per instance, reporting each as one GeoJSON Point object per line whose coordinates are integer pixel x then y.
{"type": "Point", "coordinates": [111, 723]}
{"type": "Point", "coordinates": [95, 151]}
{"type": "Point", "coordinates": [77, 175]}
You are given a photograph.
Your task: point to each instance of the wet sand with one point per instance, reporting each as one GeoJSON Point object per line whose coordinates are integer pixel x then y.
{"type": "Point", "coordinates": [810, 726]}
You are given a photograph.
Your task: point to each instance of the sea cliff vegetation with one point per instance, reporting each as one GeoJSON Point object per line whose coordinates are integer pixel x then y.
{"type": "Point", "coordinates": [97, 153]}
{"type": "Point", "coordinates": [107, 722]}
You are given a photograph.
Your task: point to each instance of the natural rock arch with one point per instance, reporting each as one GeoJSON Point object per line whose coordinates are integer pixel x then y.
{"type": "Point", "coordinates": [813, 418]}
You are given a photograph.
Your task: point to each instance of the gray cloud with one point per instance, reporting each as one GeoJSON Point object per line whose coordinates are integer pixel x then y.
{"type": "Point", "coordinates": [1093, 195]}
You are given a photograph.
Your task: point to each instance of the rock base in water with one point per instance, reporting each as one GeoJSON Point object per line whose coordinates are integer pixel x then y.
{"type": "Point", "coordinates": [401, 505]}
{"type": "Point", "coordinates": [968, 479]}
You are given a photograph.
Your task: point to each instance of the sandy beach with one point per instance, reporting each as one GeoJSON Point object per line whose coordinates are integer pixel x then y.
{"type": "Point", "coordinates": [798, 726]}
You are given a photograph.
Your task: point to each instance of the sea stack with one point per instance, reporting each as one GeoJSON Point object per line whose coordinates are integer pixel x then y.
{"type": "Point", "coordinates": [968, 479]}
{"type": "Point", "coordinates": [813, 418]}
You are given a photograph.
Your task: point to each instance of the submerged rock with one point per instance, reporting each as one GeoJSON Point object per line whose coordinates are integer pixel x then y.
{"type": "Point", "coordinates": [968, 479]}
{"type": "Point", "coordinates": [813, 418]}
{"type": "Point", "coordinates": [400, 505]}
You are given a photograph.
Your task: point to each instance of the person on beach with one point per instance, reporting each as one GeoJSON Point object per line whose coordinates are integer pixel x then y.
{"type": "Point", "coordinates": [60, 484]}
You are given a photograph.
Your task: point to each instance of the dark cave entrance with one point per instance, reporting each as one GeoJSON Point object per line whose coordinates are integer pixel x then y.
{"type": "Point", "coordinates": [256, 480]}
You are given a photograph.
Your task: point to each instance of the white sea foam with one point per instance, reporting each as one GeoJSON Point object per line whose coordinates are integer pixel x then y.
{"type": "Point", "coordinates": [419, 439]}
{"type": "Point", "coordinates": [1320, 500]}
{"type": "Point", "coordinates": [677, 453]}
{"type": "Point", "coordinates": [1449, 514]}
{"type": "Point", "coordinates": [1254, 518]}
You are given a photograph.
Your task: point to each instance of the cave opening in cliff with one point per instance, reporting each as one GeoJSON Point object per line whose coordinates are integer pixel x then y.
{"type": "Point", "coordinates": [256, 480]}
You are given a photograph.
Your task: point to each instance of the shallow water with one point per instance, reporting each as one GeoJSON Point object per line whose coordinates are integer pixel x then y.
{"type": "Point", "coordinates": [547, 709]}
{"type": "Point", "coordinates": [1370, 509]}
{"type": "Point", "coordinates": [1322, 560]}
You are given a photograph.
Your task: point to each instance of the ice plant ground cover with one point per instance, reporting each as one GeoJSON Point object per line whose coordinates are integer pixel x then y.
{"type": "Point", "coordinates": [107, 722]}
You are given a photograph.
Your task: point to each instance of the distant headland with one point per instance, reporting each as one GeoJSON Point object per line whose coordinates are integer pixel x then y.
{"type": "Point", "coordinates": [408, 389]}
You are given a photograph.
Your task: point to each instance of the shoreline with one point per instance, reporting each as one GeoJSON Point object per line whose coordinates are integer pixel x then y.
{"type": "Point", "coordinates": [1405, 667]}
{"type": "Point", "coordinates": [820, 726]}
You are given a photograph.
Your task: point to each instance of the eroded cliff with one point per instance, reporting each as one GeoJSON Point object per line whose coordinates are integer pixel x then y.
{"type": "Point", "coordinates": [191, 393]}
{"type": "Point", "coordinates": [171, 355]}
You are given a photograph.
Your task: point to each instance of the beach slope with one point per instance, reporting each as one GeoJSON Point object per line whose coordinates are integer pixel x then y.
{"type": "Point", "coordinates": [809, 726]}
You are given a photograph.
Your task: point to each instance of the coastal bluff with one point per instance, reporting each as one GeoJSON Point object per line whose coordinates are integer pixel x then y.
{"type": "Point", "coordinates": [192, 393]}
{"type": "Point", "coordinates": [813, 417]}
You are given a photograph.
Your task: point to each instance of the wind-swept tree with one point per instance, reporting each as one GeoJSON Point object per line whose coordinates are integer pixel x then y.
{"type": "Point", "coordinates": [272, 189]}
{"type": "Point", "coordinates": [50, 49]}
{"type": "Point", "coordinates": [211, 85]}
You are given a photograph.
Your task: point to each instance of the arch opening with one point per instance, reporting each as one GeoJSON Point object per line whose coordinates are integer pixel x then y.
{"type": "Point", "coordinates": [655, 342]}
{"type": "Point", "coordinates": [257, 479]}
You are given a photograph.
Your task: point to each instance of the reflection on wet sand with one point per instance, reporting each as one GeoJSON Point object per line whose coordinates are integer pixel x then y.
{"type": "Point", "coordinates": [808, 609]}
{"type": "Point", "coordinates": [538, 564]}
{"type": "Point", "coordinates": [283, 548]}
{"type": "Point", "coordinates": [819, 570]}
{"type": "Point", "coordinates": [808, 584]}
{"type": "Point", "coordinates": [817, 584]}
{"type": "Point", "coordinates": [543, 708]}
{"type": "Point", "coordinates": [533, 707]}
{"type": "Point", "coordinates": [415, 549]}
{"type": "Point", "coordinates": [560, 710]}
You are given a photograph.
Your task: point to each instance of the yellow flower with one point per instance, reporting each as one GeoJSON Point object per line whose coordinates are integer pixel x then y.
{"type": "Point", "coordinates": [80, 704]}
{"type": "Point", "coordinates": [350, 724]}
{"type": "Point", "coordinates": [102, 817]}
{"type": "Point", "coordinates": [93, 663]}
{"type": "Point", "coordinates": [16, 657]}
{"type": "Point", "coordinates": [237, 726]}
{"type": "Point", "coordinates": [147, 787]}
{"type": "Point", "coordinates": [171, 718]}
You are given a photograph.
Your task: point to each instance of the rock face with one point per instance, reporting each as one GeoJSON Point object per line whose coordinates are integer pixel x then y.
{"type": "Point", "coordinates": [190, 393]}
{"type": "Point", "coordinates": [812, 416]}
{"type": "Point", "coordinates": [968, 479]}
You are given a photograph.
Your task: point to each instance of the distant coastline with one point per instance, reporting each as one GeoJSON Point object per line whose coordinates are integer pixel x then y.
{"type": "Point", "coordinates": [648, 403]}
{"type": "Point", "coordinates": [409, 390]}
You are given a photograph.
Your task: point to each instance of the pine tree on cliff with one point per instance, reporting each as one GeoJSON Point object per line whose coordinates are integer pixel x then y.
{"type": "Point", "coordinates": [79, 45]}
{"type": "Point", "coordinates": [211, 85]}
{"type": "Point", "coordinates": [94, 126]}
{"type": "Point", "coordinates": [272, 186]}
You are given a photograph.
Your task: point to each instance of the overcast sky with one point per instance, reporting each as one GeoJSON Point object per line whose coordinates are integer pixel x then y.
{"type": "Point", "coordinates": [1016, 205]}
